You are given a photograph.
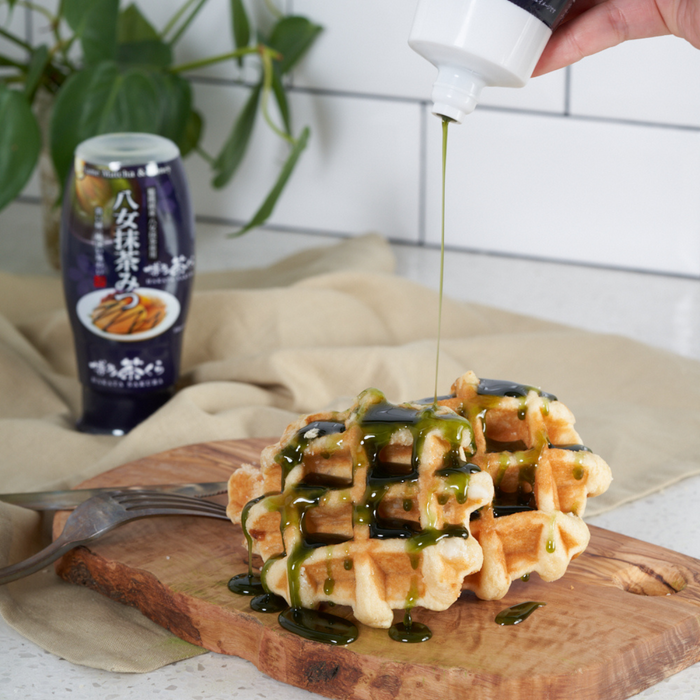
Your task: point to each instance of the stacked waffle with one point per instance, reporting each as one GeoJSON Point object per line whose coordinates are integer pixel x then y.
{"type": "Point", "coordinates": [385, 507]}
{"type": "Point", "coordinates": [542, 476]}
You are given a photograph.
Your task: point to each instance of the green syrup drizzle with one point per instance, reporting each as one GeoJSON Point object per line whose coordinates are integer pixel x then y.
{"type": "Point", "coordinates": [516, 614]}
{"type": "Point", "coordinates": [445, 123]}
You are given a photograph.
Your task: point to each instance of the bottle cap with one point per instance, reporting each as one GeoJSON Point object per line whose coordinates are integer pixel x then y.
{"type": "Point", "coordinates": [123, 149]}
{"type": "Point", "coordinates": [117, 414]}
{"type": "Point", "coordinates": [456, 92]}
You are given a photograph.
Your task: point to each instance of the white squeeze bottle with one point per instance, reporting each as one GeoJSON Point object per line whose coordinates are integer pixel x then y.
{"type": "Point", "coordinates": [475, 43]}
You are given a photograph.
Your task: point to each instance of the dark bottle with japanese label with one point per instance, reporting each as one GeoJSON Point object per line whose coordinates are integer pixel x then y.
{"type": "Point", "coordinates": [127, 255]}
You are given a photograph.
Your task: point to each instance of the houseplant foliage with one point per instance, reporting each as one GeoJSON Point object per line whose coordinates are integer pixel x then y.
{"type": "Point", "coordinates": [109, 69]}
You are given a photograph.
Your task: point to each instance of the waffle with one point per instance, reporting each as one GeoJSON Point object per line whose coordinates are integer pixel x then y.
{"type": "Point", "coordinates": [542, 475]}
{"type": "Point", "coordinates": [385, 507]}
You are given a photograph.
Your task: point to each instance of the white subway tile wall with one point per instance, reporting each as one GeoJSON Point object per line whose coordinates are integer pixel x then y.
{"type": "Point", "coordinates": [363, 49]}
{"type": "Point", "coordinates": [360, 171]}
{"type": "Point", "coordinates": [653, 80]}
{"type": "Point", "coordinates": [596, 192]}
{"type": "Point", "coordinates": [15, 21]}
{"type": "Point", "coordinates": [596, 164]}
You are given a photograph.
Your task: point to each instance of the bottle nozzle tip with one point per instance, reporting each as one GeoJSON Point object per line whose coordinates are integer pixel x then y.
{"type": "Point", "coordinates": [449, 112]}
{"type": "Point", "coordinates": [456, 93]}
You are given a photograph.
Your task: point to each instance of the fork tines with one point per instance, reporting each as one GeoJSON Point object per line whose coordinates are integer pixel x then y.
{"type": "Point", "coordinates": [132, 500]}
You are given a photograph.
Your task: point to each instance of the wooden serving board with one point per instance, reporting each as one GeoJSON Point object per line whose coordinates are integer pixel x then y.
{"type": "Point", "coordinates": [612, 626]}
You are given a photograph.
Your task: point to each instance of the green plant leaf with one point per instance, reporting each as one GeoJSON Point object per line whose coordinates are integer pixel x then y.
{"type": "Point", "coordinates": [175, 103]}
{"type": "Point", "coordinates": [76, 14]}
{"type": "Point", "coordinates": [20, 143]}
{"type": "Point", "coordinates": [133, 26]}
{"type": "Point", "coordinates": [281, 97]}
{"type": "Point", "coordinates": [292, 36]}
{"type": "Point", "coordinates": [135, 104]}
{"type": "Point", "coordinates": [268, 206]}
{"type": "Point", "coordinates": [241, 26]}
{"type": "Point", "coordinates": [138, 42]}
{"type": "Point", "coordinates": [37, 65]}
{"type": "Point", "coordinates": [95, 23]}
{"type": "Point", "coordinates": [193, 133]}
{"type": "Point", "coordinates": [235, 147]}
{"type": "Point", "coordinates": [146, 52]}
{"type": "Point", "coordinates": [100, 100]}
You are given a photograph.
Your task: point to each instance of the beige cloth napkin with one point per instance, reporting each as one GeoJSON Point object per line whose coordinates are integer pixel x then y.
{"type": "Point", "coordinates": [262, 346]}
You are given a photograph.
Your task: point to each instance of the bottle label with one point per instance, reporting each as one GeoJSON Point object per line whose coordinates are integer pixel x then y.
{"type": "Point", "coordinates": [551, 12]}
{"type": "Point", "coordinates": [128, 257]}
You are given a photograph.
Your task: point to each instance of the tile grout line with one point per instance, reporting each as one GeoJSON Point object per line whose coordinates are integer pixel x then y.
{"type": "Point", "coordinates": [226, 82]}
{"type": "Point", "coordinates": [280, 228]}
{"type": "Point", "coordinates": [327, 233]}
{"type": "Point", "coordinates": [222, 221]}
{"type": "Point", "coordinates": [483, 252]}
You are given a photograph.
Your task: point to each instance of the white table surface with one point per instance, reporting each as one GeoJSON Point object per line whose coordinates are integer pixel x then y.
{"type": "Point", "coordinates": [661, 311]}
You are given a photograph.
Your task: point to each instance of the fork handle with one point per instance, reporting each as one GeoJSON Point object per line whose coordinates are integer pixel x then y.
{"type": "Point", "coordinates": [37, 561]}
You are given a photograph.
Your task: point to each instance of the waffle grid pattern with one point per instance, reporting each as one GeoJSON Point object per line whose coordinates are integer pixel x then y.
{"type": "Point", "coordinates": [386, 507]}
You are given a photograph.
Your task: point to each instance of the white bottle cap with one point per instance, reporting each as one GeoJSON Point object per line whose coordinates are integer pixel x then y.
{"type": "Point", "coordinates": [456, 92]}
{"type": "Point", "coordinates": [126, 149]}
{"type": "Point", "coordinates": [475, 43]}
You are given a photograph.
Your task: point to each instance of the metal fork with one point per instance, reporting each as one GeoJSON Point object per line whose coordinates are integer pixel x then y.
{"type": "Point", "coordinates": [102, 513]}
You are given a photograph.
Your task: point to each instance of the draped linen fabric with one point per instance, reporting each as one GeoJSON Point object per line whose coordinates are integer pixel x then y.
{"type": "Point", "coordinates": [263, 346]}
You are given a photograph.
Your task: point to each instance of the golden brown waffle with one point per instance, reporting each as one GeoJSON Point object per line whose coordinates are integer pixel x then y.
{"type": "Point", "coordinates": [542, 477]}
{"type": "Point", "coordinates": [371, 506]}
{"type": "Point", "coordinates": [384, 507]}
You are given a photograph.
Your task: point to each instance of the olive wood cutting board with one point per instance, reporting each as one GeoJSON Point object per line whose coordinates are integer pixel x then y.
{"type": "Point", "coordinates": [615, 624]}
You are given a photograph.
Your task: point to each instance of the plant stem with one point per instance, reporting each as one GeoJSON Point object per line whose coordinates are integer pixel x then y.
{"type": "Point", "coordinates": [54, 78]}
{"type": "Point", "coordinates": [37, 8]}
{"type": "Point", "coordinates": [187, 22]}
{"type": "Point", "coordinates": [208, 157]}
{"type": "Point", "coordinates": [9, 62]}
{"type": "Point", "coordinates": [15, 40]}
{"type": "Point", "coordinates": [55, 21]}
{"type": "Point", "coordinates": [274, 10]}
{"type": "Point", "coordinates": [267, 55]}
{"type": "Point", "coordinates": [214, 59]}
{"type": "Point", "coordinates": [62, 44]}
{"type": "Point", "coordinates": [176, 18]}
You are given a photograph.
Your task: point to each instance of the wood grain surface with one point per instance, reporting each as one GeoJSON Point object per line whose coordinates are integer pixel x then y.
{"type": "Point", "coordinates": [612, 626]}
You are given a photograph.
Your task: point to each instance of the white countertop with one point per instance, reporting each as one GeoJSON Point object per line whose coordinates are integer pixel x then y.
{"type": "Point", "coordinates": [661, 311]}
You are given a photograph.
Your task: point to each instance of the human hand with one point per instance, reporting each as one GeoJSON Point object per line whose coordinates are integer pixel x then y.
{"type": "Point", "coordinates": [594, 25]}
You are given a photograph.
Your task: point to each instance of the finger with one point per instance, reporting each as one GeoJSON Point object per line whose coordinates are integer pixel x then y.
{"type": "Point", "coordinates": [604, 25]}
{"type": "Point", "coordinates": [578, 8]}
